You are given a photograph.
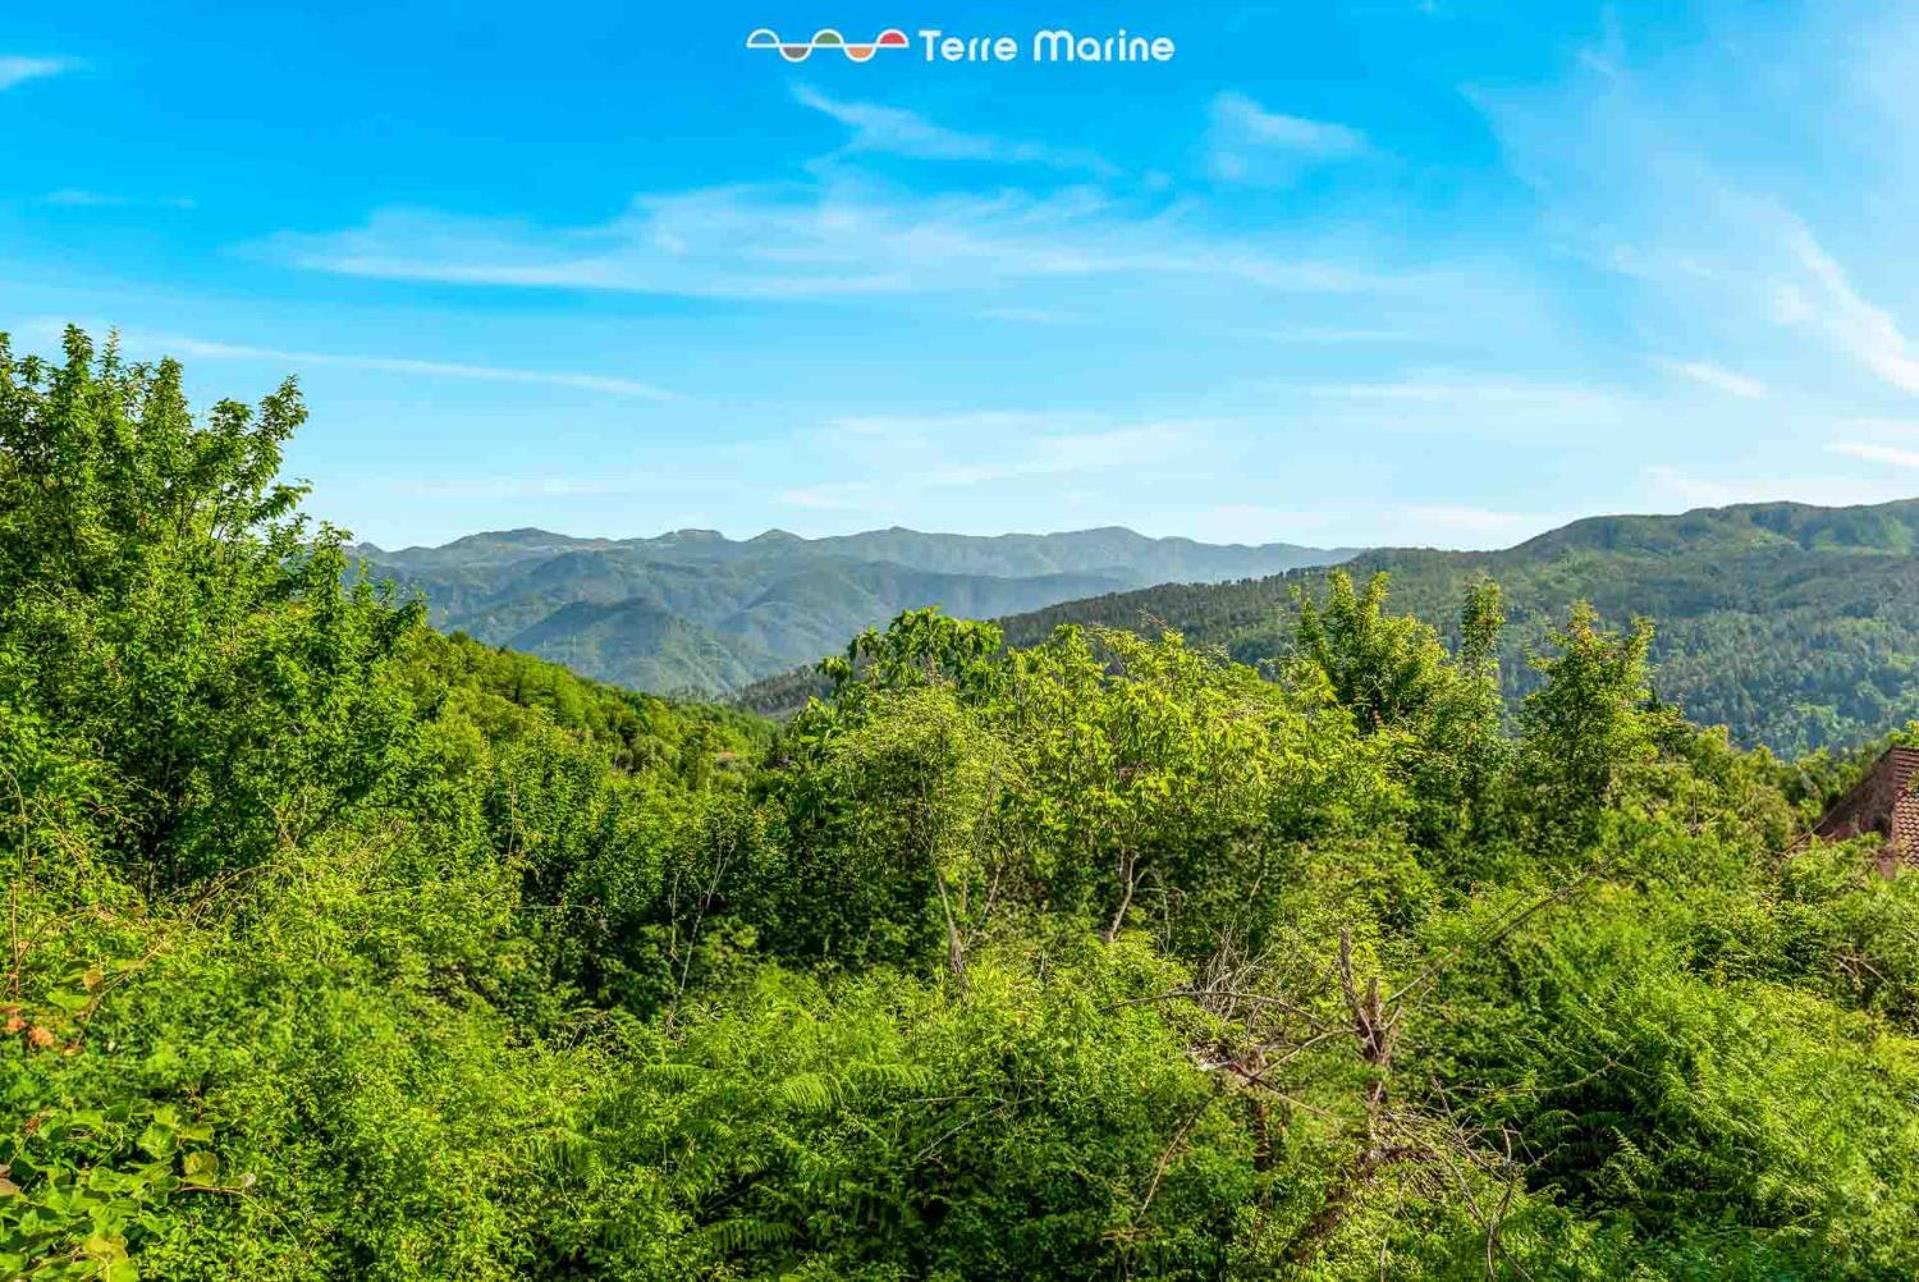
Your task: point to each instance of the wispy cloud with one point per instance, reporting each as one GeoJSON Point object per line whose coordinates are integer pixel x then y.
{"type": "Point", "coordinates": [967, 425]}
{"type": "Point", "coordinates": [1477, 522]}
{"type": "Point", "coordinates": [838, 239]}
{"type": "Point", "coordinates": [1461, 407]}
{"type": "Point", "coordinates": [174, 344]}
{"type": "Point", "coordinates": [1717, 377]}
{"type": "Point", "coordinates": [1036, 315]}
{"type": "Point", "coordinates": [941, 450]}
{"type": "Point", "coordinates": [1367, 525]}
{"type": "Point", "coordinates": [899, 131]}
{"type": "Point", "coordinates": [1667, 485]}
{"type": "Point", "coordinates": [1478, 393]}
{"type": "Point", "coordinates": [830, 497]}
{"type": "Point", "coordinates": [1727, 194]}
{"type": "Point", "coordinates": [1872, 453]}
{"type": "Point", "coordinates": [1330, 335]}
{"type": "Point", "coordinates": [1247, 143]}
{"type": "Point", "coordinates": [77, 197]}
{"type": "Point", "coordinates": [1829, 304]}
{"type": "Point", "coordinates": [885, 465]}
{"type": "Point", "coordinates": [507, 488]}
{"type": "Point", "coordinates": [1677, 484]}
{"type": "Point", "coordinates": [1873, 425]}
{"type": "Point", "coordinates": [1076, 452]}
{"type": "Point", "coordinates": [17, 71]}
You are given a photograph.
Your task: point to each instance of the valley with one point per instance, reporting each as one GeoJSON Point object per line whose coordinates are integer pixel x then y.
{"type": "Point", "coordinates": [694, 612]}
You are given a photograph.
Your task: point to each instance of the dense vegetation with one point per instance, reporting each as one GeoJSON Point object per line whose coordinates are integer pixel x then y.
{"type": "Point", "coordinates": [1795, 626]}
{"type": "Point", "coordinates": [340, 950]}
{"type": "Point", "coordinates": [698, 612]}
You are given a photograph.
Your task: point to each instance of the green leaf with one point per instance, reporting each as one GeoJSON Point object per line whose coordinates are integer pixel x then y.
{"type": "Point", "coordinates": [157, 1139]}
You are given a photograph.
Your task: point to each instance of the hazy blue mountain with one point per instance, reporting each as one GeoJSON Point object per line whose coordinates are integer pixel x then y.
{"type": "Point", "coordinates": [694, 610]}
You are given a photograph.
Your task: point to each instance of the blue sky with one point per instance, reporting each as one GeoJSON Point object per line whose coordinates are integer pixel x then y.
{"type": "Point", "coordinates": [1380, 272]}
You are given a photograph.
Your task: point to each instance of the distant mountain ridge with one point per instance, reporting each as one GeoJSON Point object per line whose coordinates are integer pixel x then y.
{"type": "Point", "coordinates": [695, 610]}
{"type": "Point", "coordinates": [1108, 548]}
{"type": "Point", "coordinates": [1796, 626]}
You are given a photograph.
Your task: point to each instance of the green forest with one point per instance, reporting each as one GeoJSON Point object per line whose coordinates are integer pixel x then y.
{"type": "Point", "coordinates": [1795, 626]}
{"type": "Point", "coordinates": [694, 611]}
{"type": "Point", "coordinates": [342, 949]}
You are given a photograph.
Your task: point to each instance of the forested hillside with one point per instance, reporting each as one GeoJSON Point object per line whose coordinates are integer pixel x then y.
{"type": "Point", "coordinates": [694, 611]}
{"type": "Point", "coordinates": [1796, 626]}
{"type": "Point", "coordinates": [342, 950]}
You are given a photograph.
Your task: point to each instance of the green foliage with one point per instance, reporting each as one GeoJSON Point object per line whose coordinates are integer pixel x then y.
{"type": "Point", "coordinates": [1387, 669]}
{"type": "Point", "coordinates": [336, 948]}
{"type": "Point", "coordinates": [1794, 626]}
{"type": "Point", "coordinates": [1396, 678]}
{"type": "Point", "coordinates": [162, 610]}
{"type": "Point", "coordinates": [1581, 732]}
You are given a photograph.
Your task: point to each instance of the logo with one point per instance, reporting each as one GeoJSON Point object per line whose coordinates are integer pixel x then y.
{"type": "Point", "coordinates": [827, 38]}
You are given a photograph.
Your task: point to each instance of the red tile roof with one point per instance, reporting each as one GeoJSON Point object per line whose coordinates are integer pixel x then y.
{"type": "Point", "coordinates": [1884, 802]}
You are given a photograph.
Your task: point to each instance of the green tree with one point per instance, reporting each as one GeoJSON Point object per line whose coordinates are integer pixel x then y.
{"type": "Point", "coordinates": [1583, 733]}
{"type": "Point", "coordinates": [167, 611]}
{"type": "Point", "coordinates": [1386, 668]}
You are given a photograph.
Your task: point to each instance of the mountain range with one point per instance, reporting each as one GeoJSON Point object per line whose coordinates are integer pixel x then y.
{"type": "Point", "coordinates": [1795, 626]}
{"type": "Point", "coordinates": [694, 611]}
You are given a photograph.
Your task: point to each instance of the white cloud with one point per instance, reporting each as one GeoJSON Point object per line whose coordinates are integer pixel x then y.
{"type": "Point", "coordinates": [17, 71]}
{"type": "Point", "coordinates": [1669, 486]}
{"type": "Point", "coordinates": [1473, 393]}
{"type": "Point", "coordinates": [1744, 202]}
{"type": "Point", "coordinates": [964, 426]}
{"type": "Point", "coordinates": [846, 497]}
{"type": "Point", "coordinates": [835, 239]}
{"type": "Point", "coordinates": [1329, 334]}
{"type": "Point", "coordinates": [501, 488]}
{"type": "Point", "coordinates": [81, 198]}
{"type": "Point", "coordinates": [1242, 523]}
{"type": "Point", "coordinates": [1880, 426]}
{"type": "Point", "coordinates": [896, 130]}
{"type": "Point", "coordinates": [1477, 521]}
{"type": "Point", "coordinates": [943, 450]}
{"type": "Point", "coordinates": [1863, 331]}
{"type": "Point", "coordinates": [1247, 143]}
{"type": "Point", "coordinates": [1450, 408]}
{"type": "Point", "coordinates": [1077, 452]}
{"type": "Point", "coordinates": [1416, 525]}
{"type": "Point", "coordinates": [1679, 485]}
{"type": "Point", "coordinates": [1036, 315]}
{"type": "Point", "coordinates": [1717, 377]}
{"type": "Point", "coordinates": [885, 466]}
{"type": "Point", "coordinates": [178, 345]}
{"type": "Point", "coordinates": [1890, 454]}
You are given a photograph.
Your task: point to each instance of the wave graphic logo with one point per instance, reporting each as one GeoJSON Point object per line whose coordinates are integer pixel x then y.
{"type": "Point", "coordinates": [827, 38]}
